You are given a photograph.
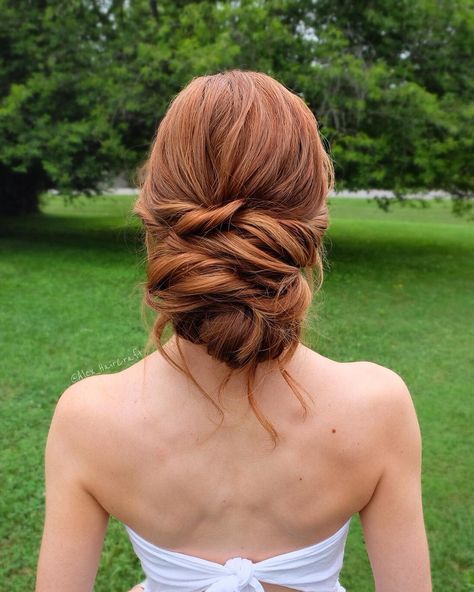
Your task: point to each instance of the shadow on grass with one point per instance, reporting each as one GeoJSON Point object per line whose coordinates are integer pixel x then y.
{"type": "Point", "coordinates": [81, 232]}
{"type": "Point", "coordinates": [379, 247]}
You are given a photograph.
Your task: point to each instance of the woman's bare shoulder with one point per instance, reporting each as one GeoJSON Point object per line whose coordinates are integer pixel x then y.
{"type": "Point", "coordinates": [77, 422]}
{"type": "Point", "coordinates": [82, 406]}
{"type": "Point", "coordinates": [363, 385]}
{"type": "Point", "coordinates": [383, 386]}
{"type": "Point", "coordinates": [83, 395]}
{"type": "Point", "coordinates": [104, 403]}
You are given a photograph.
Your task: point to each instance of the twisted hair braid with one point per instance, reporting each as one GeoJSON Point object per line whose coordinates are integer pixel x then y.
{"type": "Point", "coordinates": [234, 230]}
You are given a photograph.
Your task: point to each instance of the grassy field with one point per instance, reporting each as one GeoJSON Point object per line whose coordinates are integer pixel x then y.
{"type": "Point", "coordinates": [398, 291]}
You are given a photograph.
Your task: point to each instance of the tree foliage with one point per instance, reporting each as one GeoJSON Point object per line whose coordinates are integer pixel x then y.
{"type": "Point", "coordinates": [84, 83]}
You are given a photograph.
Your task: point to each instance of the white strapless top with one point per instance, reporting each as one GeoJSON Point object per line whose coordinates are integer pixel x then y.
{"type": "Point", "coordinates": [310, 569]}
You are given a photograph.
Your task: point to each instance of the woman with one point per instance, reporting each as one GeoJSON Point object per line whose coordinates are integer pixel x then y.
{"type": "Point", "coordinates": [234, 455]}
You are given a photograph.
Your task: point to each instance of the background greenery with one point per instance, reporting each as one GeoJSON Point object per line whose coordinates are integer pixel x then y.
{"type": "Point", "coordinates": [398, 291]}
{"type": "Point", "coordinates": [84, 83]}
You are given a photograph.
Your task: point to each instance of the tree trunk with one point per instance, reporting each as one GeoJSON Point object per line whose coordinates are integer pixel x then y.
{"type": "Point", "coordinates": [19, 192]}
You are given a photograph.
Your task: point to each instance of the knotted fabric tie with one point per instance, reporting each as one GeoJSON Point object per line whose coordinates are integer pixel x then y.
{"type": "Point", "coordinates": [240, 578]}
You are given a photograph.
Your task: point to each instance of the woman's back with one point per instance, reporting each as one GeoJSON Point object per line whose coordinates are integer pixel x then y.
{"type": "Point", "coordinates": [157, 463]}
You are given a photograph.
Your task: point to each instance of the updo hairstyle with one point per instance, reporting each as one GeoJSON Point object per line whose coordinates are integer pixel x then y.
{"type": "Point", "coordinates": [233, 200]}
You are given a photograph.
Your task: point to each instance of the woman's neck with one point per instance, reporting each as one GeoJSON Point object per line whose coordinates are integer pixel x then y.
{"type": "Point", "coordinates": [210, 373]}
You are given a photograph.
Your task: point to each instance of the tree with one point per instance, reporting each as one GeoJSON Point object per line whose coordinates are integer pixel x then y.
{"type": "Point", "coordinates": [55, 126]}
{"type": "Point", "coordinates": [83, 84]}
{"type": "Point", "coordinates": [391, 83]}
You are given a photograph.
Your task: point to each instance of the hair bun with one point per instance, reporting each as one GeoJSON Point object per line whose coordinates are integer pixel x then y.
{"type": "Point", "coordinates": [237, 289]}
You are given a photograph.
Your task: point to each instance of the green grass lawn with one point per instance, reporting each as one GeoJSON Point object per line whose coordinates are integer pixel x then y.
{"type": "Point", "coordinates": [398, 291]}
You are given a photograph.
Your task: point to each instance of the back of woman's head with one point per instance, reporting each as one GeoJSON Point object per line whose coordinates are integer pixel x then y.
{"type": "Point", "coordinates": [234, 204]}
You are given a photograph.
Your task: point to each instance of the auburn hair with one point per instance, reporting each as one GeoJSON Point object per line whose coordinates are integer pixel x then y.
{"type": "Point", "coordinates": [233, 199]}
